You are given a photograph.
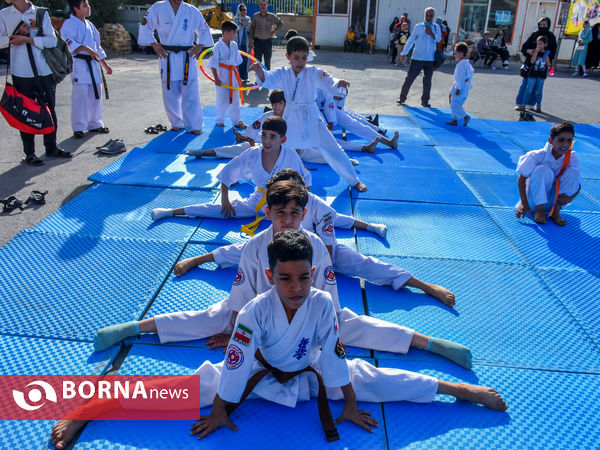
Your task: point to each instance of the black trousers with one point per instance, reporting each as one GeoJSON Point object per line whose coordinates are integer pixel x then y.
{"type": "Point", "coordinates": [413, 70]}
{"type": "Point", "coordinates": [30, 88]}
{"type": "Point", "coordinates": [263, 48]}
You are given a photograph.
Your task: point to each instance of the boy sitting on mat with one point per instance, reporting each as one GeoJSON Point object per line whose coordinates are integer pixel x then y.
{"type": "Point", "coordinates": [286, 332]}
{"type": "Point", "coordinates": [549, 178]}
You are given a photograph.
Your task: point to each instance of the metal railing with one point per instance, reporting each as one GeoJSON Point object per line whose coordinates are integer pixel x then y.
{"type": "Point", "coordinates": [300, 7]}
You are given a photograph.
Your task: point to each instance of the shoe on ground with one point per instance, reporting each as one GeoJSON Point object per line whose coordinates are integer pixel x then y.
{"type": "Point", "coordinates": [575, 74]}
{"type": "Point", "coordinates": [400, 101]}
{"type": "Point", "coordinates": [519, 108]}
{"type": "Point", "coordinates": [538, 110]}
{"type": "Point", "coordinates": [58, 152]}
{"type": "Point", "coordinates": [584, 74]}
{"type": "Point", "coordinates": [426, 105]}
{"type": "Point", "coordinates": [113, 148]}
{"type": "Point", "coordinates": [78, 134]}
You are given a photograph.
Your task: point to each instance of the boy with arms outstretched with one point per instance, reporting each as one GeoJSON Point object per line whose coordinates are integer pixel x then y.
{"type": "Point", "coordinates": [549, 178]}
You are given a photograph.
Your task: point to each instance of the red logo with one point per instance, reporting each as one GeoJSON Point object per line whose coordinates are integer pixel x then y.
{"type": "Point", "coordinates": [329, 275]}
{"type": "Point", "coordinates": [239, 278]}
{"type": "Point", "coordinates": [235, 357]}
{"type": "Point", "coordinates": [328, 229]}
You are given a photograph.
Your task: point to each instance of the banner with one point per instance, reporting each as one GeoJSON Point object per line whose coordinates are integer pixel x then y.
{"type": "Point", "coordinates": [581, 10]}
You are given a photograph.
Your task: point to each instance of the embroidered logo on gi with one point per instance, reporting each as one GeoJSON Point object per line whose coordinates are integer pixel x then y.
{"type": "Point", "coordinates": [243, 335]}
{"type": "Point", "coordinates": [235, 357]}
{"type": "Point", "coordinates": [328, 229]}
{"type": "Point", "coordinates": [324, 74]}
{"type": "Point", "coordinates": [327, 217]}
{"type": "Point", "coordinates": [339, 350]}
{"type": "Point", "coordinates": [256, 125]}
{"type": "Point", "coordinates": [239, 278]}
{"type": "Point", "coordinates": [329, 275]}
{"type": "Point", "coordinates": [33, 24]}
{"type": "Point", "coordinates": [68, 41]}
{"type": "Point", "coordinates": [185, 23]}
{"type": "Point", "coordinates": [301, 351]}
{"type": "Point", "coordinates": [144, 21]}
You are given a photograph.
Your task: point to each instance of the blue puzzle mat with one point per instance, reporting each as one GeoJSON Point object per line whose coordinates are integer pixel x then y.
{"type": "Point", "coordinates": [545, 410]}
{"type": "Point", "coordinates": [508, 128]}
{"type": "Point", "coordinates": [142, 168]}
{"type": "Point", "coordinates": [590, 166]}
{"type": "Point", "coordinates": [530, 142]}
{"type": "Point", "coordinates": [70, 286]}
{"type": "Point", "coordinates": [404, 156]}
{"type": "Point", "coordinates": [500, 321]}
{"type": "Point", "coordinates": [576, 245]}
{"type": "Point", "coordinates": [325, 182]}
{"type": "Point", "coordinates": [589, 132]}
{"type": "Point", "coordinates": [481, 160]}
{"type": "Point", "coordinates": [436, 118]}
{"type": "Point", "coordinates": [415, 185]}
{"type": "Point", "coordinates": [251, 417]}
{"type": "Point", "coordinates": [492, 142]}
{"type": "Point", "coordinates": [578, 291]}
{"type": "Point", "coordinates": [124, 211]}
{"type": "Point", "coordinates": [427, 230]}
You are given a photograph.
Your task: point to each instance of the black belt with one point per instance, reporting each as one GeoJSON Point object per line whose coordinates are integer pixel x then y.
{"type": "Point", "coordinates": [88, 59]}
{"type": "Point", "coordinates": [186, 63]}
{"type": "Point", "coordinates": [327, 422]}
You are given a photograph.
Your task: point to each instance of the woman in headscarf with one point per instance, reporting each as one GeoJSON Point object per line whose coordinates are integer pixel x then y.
{"type": "Point", "coordinates": [243, 22]}
{"type": "Point", "coordinates": [584, 38]}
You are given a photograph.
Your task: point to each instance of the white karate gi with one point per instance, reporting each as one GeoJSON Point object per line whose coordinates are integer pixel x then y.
{"type": "Point", "coordinates": [310, 339]}
{"type": "Point", "coordinates": [86, 109]}
{"type": "Point", "coordinates": [229, 55]}
{"type": "Point", "coordinates": [186, 28]}
{"type": "Point", "coordinates": [254, 131]}
{"type": "Point", "coordinates": [306, 127]}
{"type": "Point", "coordinates": [249, 162]}
{"type": "Point", "coordinates": [463, 76]}
{"type": "Point", "coordinates": [541, 168]}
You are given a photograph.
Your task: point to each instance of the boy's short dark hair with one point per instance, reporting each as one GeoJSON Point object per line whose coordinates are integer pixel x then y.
{"type": "Point", "coordinates": [276, 96]}
{"type": "Point", "coordinates": [289, 245]}
{"type": "Point", "coordinates": [276, 124]}
{"type": "Point", "coordinates": [543, 39]}
{"type": "Point", "coordinates": [228, 25]}
{"type": "Point", "coordinates": [290, 34]}
{"type": "Point", "coordinates": [286, 175]}
{"type": "Point", "coordinates": [297, 44]}
{"type": "Point", "coordinates": [283, 192]}
{"type": "Point", "coordinates": [74, 4]}
{"type": "Point", "coordinates": [561, 127]}
{"type": "Point", "coordinates": [461, 47]}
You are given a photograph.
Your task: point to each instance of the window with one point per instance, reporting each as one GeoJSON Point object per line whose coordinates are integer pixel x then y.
{"type": "Point", "coordinates": [333, 7]}
{"type": "Point", "coordinates": [502, 17]}
{"type": "Point", "coordinates": [480, 15]}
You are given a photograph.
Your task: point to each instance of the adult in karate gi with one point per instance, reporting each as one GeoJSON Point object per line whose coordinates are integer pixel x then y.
{"type": "Point", "coordinates": [183, 34]}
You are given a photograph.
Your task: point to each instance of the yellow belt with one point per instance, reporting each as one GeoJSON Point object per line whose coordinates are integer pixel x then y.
{"type": "Point", "coordinates": [250, 228]}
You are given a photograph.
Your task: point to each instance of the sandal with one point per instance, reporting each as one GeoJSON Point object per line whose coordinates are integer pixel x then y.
{"type": "Point", "coordinates": [78, 134]}
{"type": "Point", "coordinates": [103, 130]}
{"type": "Point", "coordinates": [160, 127]}
{"type": "Point", "coordinates": [32, 160]}
{"type": "Point", "coordinates": [151, 130]}
{"type": "Point", "coordinates": [11, 203]}
{"type": "Point", "coordinates": [37, 197]}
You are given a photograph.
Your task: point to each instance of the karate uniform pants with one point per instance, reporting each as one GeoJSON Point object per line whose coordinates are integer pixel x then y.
{"type": "Point", "coordinates": [370, 383]}
{"type": "Point", "coordinates": [541, 186]}
{"type": "Point", "coordinates": [86, 110]}
{"type": "Point", "coordinates": [182, 104]}
{"type": "Point", "coordinates": [243, 208]}
{"type": "Point", "coordinates": [231, 151]}
{"type": "Point", "coordinates": [458, 112]}
{"type": "Point", "coordinates": [223, 106]}
{"type": "Point", "coordinates": [335, 156]}
{"type": "Point", "coordinates": [352, 125]}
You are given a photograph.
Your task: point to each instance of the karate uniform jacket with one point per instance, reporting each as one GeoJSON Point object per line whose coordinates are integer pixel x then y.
{"type": "Point", "coordinates": [463, 76]}
{"type": "Point", "coordinates": [76, 33]}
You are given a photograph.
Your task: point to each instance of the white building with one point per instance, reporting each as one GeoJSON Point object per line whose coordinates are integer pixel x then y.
{"type": "Point", "coordinates": [517, 18]}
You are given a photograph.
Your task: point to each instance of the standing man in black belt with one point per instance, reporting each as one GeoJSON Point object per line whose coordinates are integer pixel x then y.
{"type": "Point", "coordinates": [183, 35]}
{"type": "Point", "coordinates": [262, 29]}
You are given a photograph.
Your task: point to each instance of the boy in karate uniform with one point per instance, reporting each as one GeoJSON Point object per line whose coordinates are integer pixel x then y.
{"type": "Point", "coordinates": [261, 161]}
{"type": "Point", "coordinates": [292, 328]}
{"type": "Point", "coordinates": [463, 83]}
{"type": "Point", "coordinates": [224, 64]}
{"type": "Point", "coordinates": [83, 40]}
{"type": "Point", "coordinates": [549, 178]}
{"type": "Point", "coordinates": [299, 82]}
{"type": "Point", "coordinates": [183, 34]}
{"type": "Point", "coordinates": [286, 208]}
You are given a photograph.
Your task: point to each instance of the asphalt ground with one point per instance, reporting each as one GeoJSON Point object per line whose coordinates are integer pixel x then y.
{"type": "Point", "coordinates": [136, 103]}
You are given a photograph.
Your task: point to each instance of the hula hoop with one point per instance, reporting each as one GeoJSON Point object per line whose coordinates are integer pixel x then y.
{"type": "Point", "coordinates": [235, 88]}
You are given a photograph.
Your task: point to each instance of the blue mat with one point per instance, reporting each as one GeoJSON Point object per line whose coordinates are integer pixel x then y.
{"type": "Point", "coordinates": [578, 291]}
{"type": "Point", "coordinates": [501, 190]}
{"type": "Point", "coordinates": [509, 128]}
{"type": "Point", "coordinates": [503, 313]}
{"type": "Point", "coordinates": [589, 132]}
{"type": "Point", "coordinates": [445, 231]}
{"type": "Point", "coordinates": [170, 142]}
{"type": "Point", "coordinates": [404, 156]}
{"type": "Point", "coordinates": [530, 142]}
{"type": "Point", "coordinates": [413, 184]}
{"type": "Point", "coordinates": [124, 211]}
{"type": "Point", "coordinates": [251, 418]}
{"type": "Point", "coordinates": [408, 132]}
{"type": "Point", "coordinates": [224, 231]}
{"type": "Point", "coordinates": [70, 286]}
{"type": "Point", "coordinates": [576, 245]}
{"type": "Point", "coordinates": [545, 410]}
{"type": "Point", "coordinates": [481, 160]}
{"type": "Point", "coordinates": [590, 166]}
{"type": "Point", "coordinates": [436, 118]}
{"type": "Point", "coordinates": [492, 142]}
{"type": "Point", "coordinates": [142, 168]}
{"type": "Point", "coordinates": [325, 182]}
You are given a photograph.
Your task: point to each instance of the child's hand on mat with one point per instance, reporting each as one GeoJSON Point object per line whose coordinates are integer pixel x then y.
{"type": "Point", "coordinates": [218, 417]}
{"type": "Point", "coordinates": [227, 208]}
{"type": "Point", "coordinates": [218, 340]}
{"type": "Point", "coordinates": [522, 212]}
{"type": "Point", "coordinates": [361, 418]}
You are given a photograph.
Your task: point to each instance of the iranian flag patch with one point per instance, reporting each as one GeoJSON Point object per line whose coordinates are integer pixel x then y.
{"type": "Point", "coordinates": [242, 334]}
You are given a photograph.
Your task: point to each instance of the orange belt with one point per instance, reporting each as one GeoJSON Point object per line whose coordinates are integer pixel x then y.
{"type": "Point", "coordinates": [557, 180]}
{"type": "Point", "coordinates": [233, 70]}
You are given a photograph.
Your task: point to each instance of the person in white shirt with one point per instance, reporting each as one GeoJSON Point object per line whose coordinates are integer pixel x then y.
{"type": "Point", "coordinates": [424, 38]}
{"type": "Point", "coordinates": [463, 76]}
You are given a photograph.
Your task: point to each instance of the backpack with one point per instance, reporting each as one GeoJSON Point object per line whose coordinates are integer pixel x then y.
{"type": "Point", "coordinates": [58, 58]}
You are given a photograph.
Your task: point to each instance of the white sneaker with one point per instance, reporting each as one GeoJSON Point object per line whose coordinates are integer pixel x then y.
{"type": "Point", "coordinates": [575, 74]}
{"type": "Point", "coordinates": [585, 74]}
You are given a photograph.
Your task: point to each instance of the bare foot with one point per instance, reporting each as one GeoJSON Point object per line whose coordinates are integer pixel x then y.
{"type": "Point", "coordinates": [175, 129]}
{"type": "Point", "coordinates": [241, 125]}
{"type": "Point", "coordinates": [540, 214]}
{"type": "Point", "coordinates": [452, 122]}
{"type": "Point", "coordinates": [220, 124]}
{"type": "Point", "coordinates": [483, 395]}
{"type": "Point", "coordinates": [467, 118]}
{"type": "Point", "coordinates": [394, 143]}
{"type": "Point", "coordinates": [371, 147]}
{"type": "Point", "coordinates": [442, 294]}
{"type": "Point", "coordinates": [182, 267]}
{"type": "Point", "coordinates": [238, 135]}
{"type": "Point", "coordinates": [64, 431]}
{"type": "Point", "coordinates": [557, 218]}
{"type": "Point", "coordinates": [360, 187]}
{"type": "Point", "coordinates": [196, 132]}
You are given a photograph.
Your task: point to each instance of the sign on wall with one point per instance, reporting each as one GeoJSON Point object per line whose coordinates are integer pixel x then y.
{"type": "Point", "coordinates": [581, 10]}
